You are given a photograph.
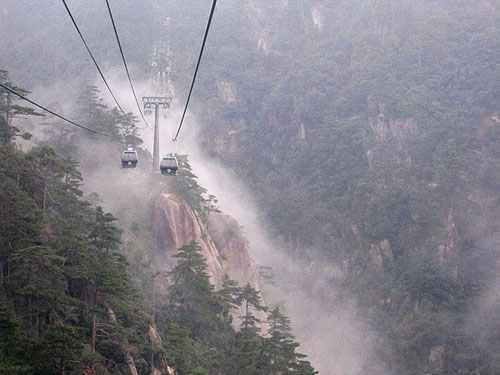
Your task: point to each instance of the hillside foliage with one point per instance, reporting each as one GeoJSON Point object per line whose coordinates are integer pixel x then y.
{"type": "Point", "coordinates": [369, 130]}
{"type": "Point", "coordinates": [371, 139]}
{"type": "Point", "coordinates": [71, 302]}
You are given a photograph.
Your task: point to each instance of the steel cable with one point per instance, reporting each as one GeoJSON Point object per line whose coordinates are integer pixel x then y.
{"type": "Point", "coordinates": [125, 62]}
{"type": "Point", "coordinates": [54, 113]}
{"type": "Point", "coordinates": [95, 62]}
{"type": "Point", "coordinates": [212, 11]}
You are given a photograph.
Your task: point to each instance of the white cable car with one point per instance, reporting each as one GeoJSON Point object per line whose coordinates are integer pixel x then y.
{"type": "Point", "coordinates": [169, 165]}
{"type": "Point", "coordinates": [129, 158]}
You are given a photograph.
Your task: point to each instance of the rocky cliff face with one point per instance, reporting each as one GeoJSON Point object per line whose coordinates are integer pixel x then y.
{"type": "Point", "coordinates": [177, 225]}
{"type": "Point", "coordinates": [221, 241]}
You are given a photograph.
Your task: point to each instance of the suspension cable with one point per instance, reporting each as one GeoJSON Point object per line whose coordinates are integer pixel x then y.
{"type": "Point", "coordinates": [125, 62]}
{"type": "Point", "coordinates": [54, 113]}
{"type": "Point", "coordinates": [95, 62]}
{"type": "Point", "coordinates": [212, 11]}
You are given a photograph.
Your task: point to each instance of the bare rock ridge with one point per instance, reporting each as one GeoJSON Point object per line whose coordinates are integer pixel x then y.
{"type": "Point", "coordinates": [221, 241]}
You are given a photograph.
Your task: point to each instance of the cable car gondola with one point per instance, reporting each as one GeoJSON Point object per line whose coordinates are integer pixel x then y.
{"type": "Point", "coordinates": [129, 159]}
{"type": "Point", "coordinates": [169, 165]}
{"type": "Point", "coordinates": [147, 109]}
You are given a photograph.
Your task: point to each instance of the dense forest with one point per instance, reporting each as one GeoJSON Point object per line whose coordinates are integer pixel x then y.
{"type": "Point", "coordinates": [71, 302]}
{"type": "Point", "coordinates": [368, 130]}
{"type": "Point", "coordinates": [376, 146]}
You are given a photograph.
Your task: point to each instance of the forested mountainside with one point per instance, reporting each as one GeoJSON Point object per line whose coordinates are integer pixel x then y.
{"type": "Point", "coordinates": [368, 130]}
{"type": "Point", "coordinates": [70, 300]}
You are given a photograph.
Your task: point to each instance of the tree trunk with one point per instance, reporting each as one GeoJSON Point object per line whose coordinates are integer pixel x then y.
{"type": "Point", "coordinates": [7, 119]}
{"type": "Point", "coordinates": [30, 309]}
{"type": "Point", "coordinates": [246, 314]}
{"type": "Point", "coordinates": [8, 263]}
{"type": "Point", "coordinates": [92, 343]}
{"type": "Point", "coordinates": [44, 196]}
{"type": "Point", "coordinates": [63, 365]}
{"type": "Point", "coordinates": [37, 325]}
{"type": "Point", "coordinates": [94, 318]}
{"type": "Point", "coordinates": [3, 296]}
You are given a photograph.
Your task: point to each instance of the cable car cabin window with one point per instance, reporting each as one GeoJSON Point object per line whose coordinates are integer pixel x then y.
{"type": "Point", "coordinates": [170, 163]}
{"type": "Point", "coordinates": [130, 156]}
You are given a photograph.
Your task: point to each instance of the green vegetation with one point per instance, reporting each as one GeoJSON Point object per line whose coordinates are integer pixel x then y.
{"type": "Point", "coordinates": [374, 140]}
{"type": "Point", "coordinates": [61, 274]}
{"type": "Point", "coordinates": [379, 127]}
{"type": "Point", "coordinates": [207, 342]}
{"type": "Point", "coordinates": [70, 303]}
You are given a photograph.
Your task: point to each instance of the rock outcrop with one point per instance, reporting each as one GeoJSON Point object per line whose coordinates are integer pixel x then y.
{"type": "Point", "coordinates": [176, 226]}
{"type": "Point", "coordinates": [317, 17]}
{"type": "Point", "coordinates": [227, 91]}
{"type": "Point", "coordinates": [226, 233]}
{"type": "Point", "coordinates": [221, 241]}
{"type": "Point", "coordinates": [163, 367]}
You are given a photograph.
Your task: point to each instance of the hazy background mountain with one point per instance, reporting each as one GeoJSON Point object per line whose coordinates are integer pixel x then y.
{"type": "Point", "coordinates": [366, 131]}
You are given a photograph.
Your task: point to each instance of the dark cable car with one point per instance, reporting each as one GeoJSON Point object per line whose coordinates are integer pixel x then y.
{"type": "Point", "coordinates": [147, 109]}
{"type": "Point", "coordinates": [168, 165]}
{"type": "Point", "coordinates": [129, 159]}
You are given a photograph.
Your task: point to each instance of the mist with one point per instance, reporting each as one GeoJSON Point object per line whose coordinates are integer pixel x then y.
{"type": "Point", "coordinates": [336, 342]}
{"type": "Point", "coordinates": [364, 157]}
{"type": "Point", "coordinates": [328, 331]}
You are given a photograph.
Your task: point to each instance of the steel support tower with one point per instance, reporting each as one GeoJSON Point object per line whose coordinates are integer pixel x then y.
{"type": "Point", "coordinates": [157, 102]}
{"type": "Point", "coordinates": [161, 71]}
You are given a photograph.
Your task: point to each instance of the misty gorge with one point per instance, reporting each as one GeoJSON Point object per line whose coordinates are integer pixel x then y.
{"type": "Point", "coordinates": [333, 206]}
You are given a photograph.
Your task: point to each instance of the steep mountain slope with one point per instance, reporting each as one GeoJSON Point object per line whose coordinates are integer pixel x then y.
{"type": "Point", "coordinates": [71, 301]}
{"type": "Point", "coordinates": [369, 140]}
{"type": "Point", "coordinates": [221, 242]}
{"type": "Point", "coordinates": [369, 132]}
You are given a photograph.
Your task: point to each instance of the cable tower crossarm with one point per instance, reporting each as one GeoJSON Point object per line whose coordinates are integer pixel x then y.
{"type": "Point", "coordinates": [212, 11]}
{"type": "Point", "coordinates": [95, 62]}
{"type": "Point", "coordinates": [125, 62]}
{"type": "Point", "coordinates": [54, 113]}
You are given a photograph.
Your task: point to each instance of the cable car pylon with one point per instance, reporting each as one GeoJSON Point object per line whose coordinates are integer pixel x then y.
{"type": "Point", "coordinates": [161, 68]}
{"type": "Point", "coordinates": [157, 102]}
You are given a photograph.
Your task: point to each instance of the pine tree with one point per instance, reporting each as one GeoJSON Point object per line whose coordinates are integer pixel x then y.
{"type": "Point", "coordinates": [250, 298]}
{"type": "Point", "coordinates": [128, 128]}
{"type": "Point", "coordinates": [197, 308]}
{"type": "Point", "coordinates": [229, 295]}
{"type": "Point", "coordinates": [59, 351]}
{"type": "Point", "coordinates": [247, 353]}
{"type": "Point", "coordinates": [104, 234]}
{"type": "Point", "coordinates": [38, 285]}
{"type": "Point", "coordinates": [248, 343]}
{"type": "Point", "coordinates": [279, 348]}
{"type": "Point", "coordinates": [49, 170]}
{"type": "Point", "coordinates": [210, 205]}
{"type": "Point", "coordinates": [192, 296]}
{"type": "Point", "coordinates": [12, 345]}
{"type": "Point", "coordinates": [19, 226]}
{"type": "Point", "coordinates": [9, 110]}
{"type": "Point", "coordinates": [186, 187]}
{"type": "Point", "coordinates": [62, 273]}
{"type": "Point", "coordinates": [94, 113]}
